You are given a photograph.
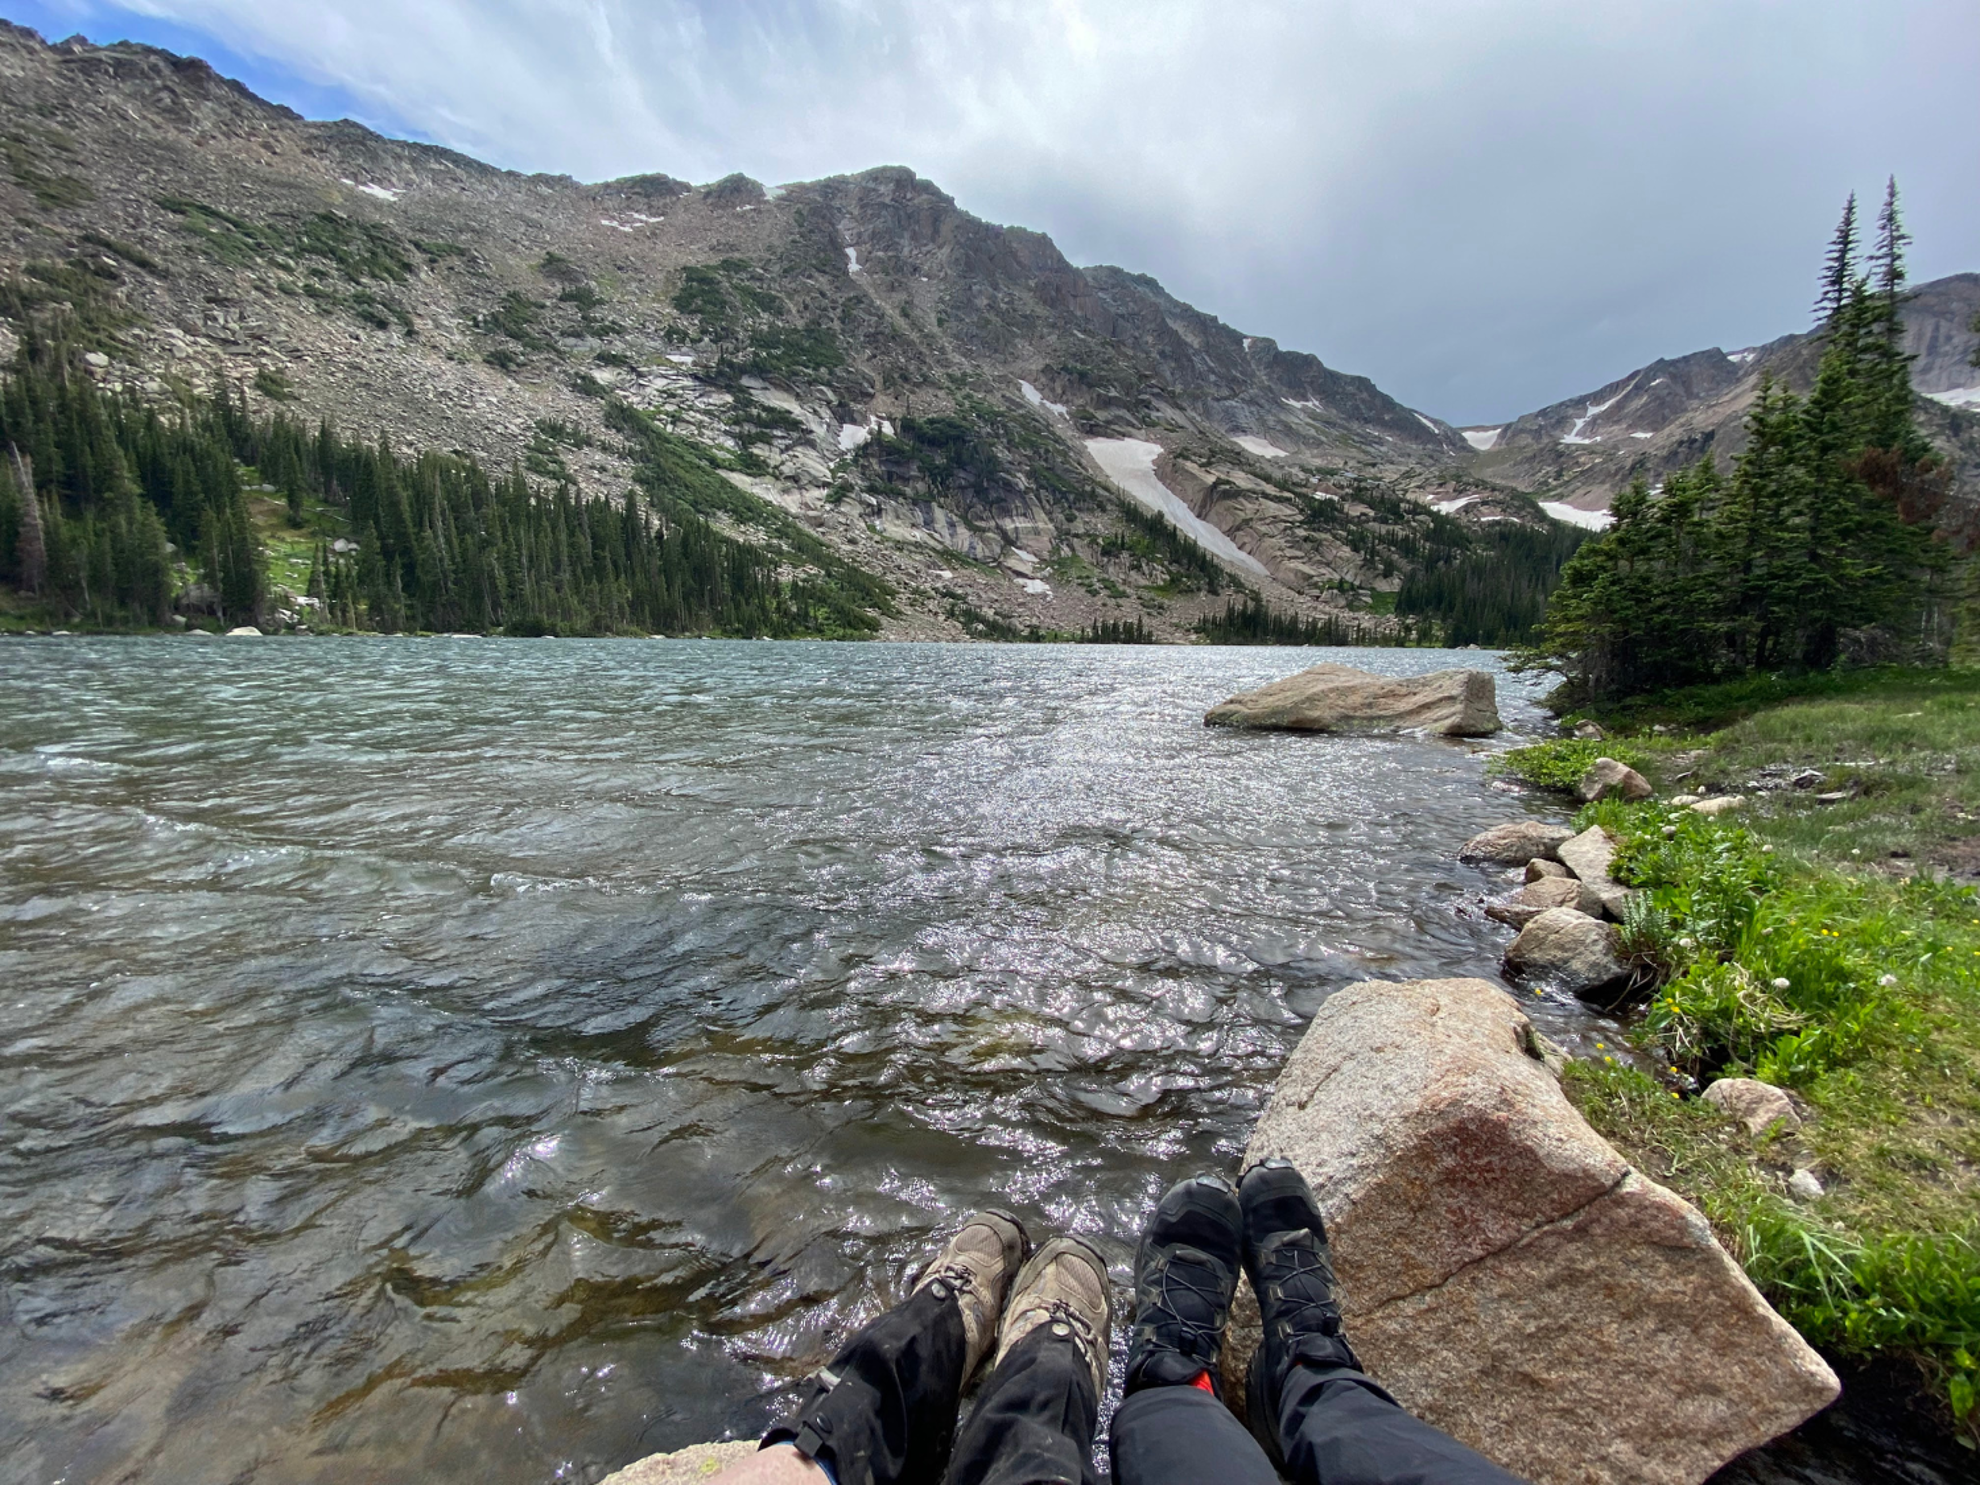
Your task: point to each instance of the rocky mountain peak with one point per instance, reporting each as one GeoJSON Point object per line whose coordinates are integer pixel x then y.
{"type": "Point", "coordinates": [947, 402]}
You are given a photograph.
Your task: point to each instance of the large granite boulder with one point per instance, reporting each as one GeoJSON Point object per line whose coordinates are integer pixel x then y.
{"type": "Point", "coordinates": [1516, 843]}
{"type": "Point", "coordinates": [1506, 1273]}
{"type": "Point", "coordinates": [1572, 951]}
{"type": "Point", "coordinates": [1339, 698]}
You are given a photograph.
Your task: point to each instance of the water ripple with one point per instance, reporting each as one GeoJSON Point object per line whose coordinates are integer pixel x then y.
{"type": "Point", "coordinates": [498, 1061]}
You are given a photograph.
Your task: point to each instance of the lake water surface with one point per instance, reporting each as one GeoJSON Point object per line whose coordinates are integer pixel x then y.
{"type": "Point", "coordinates": [495, 1060]}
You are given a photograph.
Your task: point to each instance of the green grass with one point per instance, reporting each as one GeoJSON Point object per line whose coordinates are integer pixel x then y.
{"type": "Point", "coordinates": [1816, 946]}
{"type": "Point", "coordinates": [1560, 762]}
{"type": "Point", "coordinates": [1901, 746]}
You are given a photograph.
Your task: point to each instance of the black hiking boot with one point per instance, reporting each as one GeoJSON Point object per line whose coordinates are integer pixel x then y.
{"type": "Point", "coordinates": [1292, 1272]}
{"type": "Point", "coordinates": [1184, 1277]}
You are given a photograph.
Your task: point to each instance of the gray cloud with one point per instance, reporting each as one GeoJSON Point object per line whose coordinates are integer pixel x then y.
{"type": "Point", "coordinates": [1484, 204]}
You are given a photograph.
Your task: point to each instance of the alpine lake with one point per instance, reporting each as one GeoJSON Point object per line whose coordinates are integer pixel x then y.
{"type": "Point", "coordinates": [495, 1060]}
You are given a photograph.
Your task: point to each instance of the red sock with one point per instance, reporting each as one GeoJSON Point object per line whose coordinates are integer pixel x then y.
{"type": "Point", "coordinates": [1203, 1381]}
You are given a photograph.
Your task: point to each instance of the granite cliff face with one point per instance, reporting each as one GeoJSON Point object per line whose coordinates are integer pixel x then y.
{"type": "Point", "coordinates": [1670, 413]}
{"type": "Point", "coordinates": [949, 403]}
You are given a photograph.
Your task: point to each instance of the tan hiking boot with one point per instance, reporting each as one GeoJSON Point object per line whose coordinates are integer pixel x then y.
{"type": "Point", "coordinates": [976, 1267]}
{"type": "Point", "coordinates": [1064, 1286]}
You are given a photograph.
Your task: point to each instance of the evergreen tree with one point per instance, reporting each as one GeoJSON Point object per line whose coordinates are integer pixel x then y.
{"type": "Point", "coordinates": [1839, 271]}
{"type": "Point", "coordinates": [1823, 529]}
{"type": "Point", "coordinates": [30, 557]}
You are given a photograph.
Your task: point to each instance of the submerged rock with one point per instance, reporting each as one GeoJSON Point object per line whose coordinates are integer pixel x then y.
{"type": "Point", "coordinates": [1506, 1274]}
{"type": "Point", "coordinates": [1572, 950]}
{"type": "Point", "coordinates": [1339, 698]}
{"type": "Point", "coordinates": [1515, 844]}
{"type": "Point", "coordinates": [1606, 777]}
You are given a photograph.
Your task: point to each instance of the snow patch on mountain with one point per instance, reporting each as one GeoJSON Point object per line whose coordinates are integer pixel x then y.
{"type": "Point", "coordinates": [1130, 463]}
{"type": "Point", "coordinates": [1967, 398]}
{"type": "Point", "coordinates": [1592, 520]}
{"type": "Point", "coordinates": [852, 260]}
{"type": "Point", "coordinates": [1037, 399]}
{"type": "Point", "coordinates": [1483, 439]}
{"type": "Point", "coordinates": [1264, 448]}
{"type": "Point", "coordinates": [1595, 410]}
{"type": "Point", "coordinates": [1428, 423]}
{"type": "Point", "coordinates": [851, 436]}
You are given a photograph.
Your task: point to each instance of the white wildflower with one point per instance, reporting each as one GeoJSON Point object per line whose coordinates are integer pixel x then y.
{"type": "Point", "coordinates": [1781, 984]}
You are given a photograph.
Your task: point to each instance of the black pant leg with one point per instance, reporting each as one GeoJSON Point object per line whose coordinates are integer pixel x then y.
{"type": "Point", "coordinates": [1184, 1436]}
{"type": "Point", "coordinates": [1033, 1423]}
{"type": "Point", "coordinates": [884, 1411]}
{"type": "Point", "coordinates": [1336, 1427]}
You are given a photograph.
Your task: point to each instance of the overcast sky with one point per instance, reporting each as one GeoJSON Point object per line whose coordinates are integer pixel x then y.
{"type": "Point", "coordinates": [1486, 205]}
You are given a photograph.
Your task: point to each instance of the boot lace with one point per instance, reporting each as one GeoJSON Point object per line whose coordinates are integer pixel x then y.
{"type": "Point", "coordinates": [1190, 1296]}
{"type": "Point", "coordinates": [1302, 1280]}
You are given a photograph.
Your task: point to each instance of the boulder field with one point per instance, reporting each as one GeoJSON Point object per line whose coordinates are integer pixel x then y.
{"type": "Point", "coordinates": [1506, 1273]}
{"type": "Point", "coordinates": [1339, 698]}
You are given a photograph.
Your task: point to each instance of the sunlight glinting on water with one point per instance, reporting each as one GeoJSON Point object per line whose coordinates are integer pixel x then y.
{"type": "Point", "coordinates": [491, 1059]}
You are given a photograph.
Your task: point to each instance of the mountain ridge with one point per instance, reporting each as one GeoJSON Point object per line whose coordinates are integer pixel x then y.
{"type": "Point", "coordinates": [1584, 450]}
{"type": "Point", "coordinates": [921, 388]}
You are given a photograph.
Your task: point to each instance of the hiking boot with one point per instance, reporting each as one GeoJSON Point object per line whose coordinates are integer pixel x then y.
{"type": "Point", "coordinates": [976, 1267]}
{"type": "Point", "coordinates": [1064, 1286]}
{"type": "Point", "coordinates": [1185, 1274]}
{"type": "Point", "coordinates": [1285, 1253]}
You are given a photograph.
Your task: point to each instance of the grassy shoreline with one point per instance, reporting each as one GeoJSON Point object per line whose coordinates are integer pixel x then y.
{"type": "Point", "coordinates": [1821, 940]}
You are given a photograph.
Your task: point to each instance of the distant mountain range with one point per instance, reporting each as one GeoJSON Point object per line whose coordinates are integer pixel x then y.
{"type": "Point", "coordinates": [949, 404]}
{"type": "Point", "coordinates": [1668, 414]}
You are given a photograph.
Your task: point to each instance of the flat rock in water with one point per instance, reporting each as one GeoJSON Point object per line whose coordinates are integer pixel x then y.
{"type": "Point", "coordinates": [1506, 1274]}
{"type": "Point", "coordinates": [686, 1466]}
{"type": "Point", "coordinates": [244, 631]}
{"type": "Point", "coordinates": [1539, 869]}
{"type": "Point", "coordinates": [1536, 897]}
{"type": "Point", "coordinates": [1589, 855]}
{"type": "Point", "coordinates": [1572, 950]}
{"type": "Point", "coordinates": [1339, 698]}
{"type": "Point", "coordinates": [1515, 844]}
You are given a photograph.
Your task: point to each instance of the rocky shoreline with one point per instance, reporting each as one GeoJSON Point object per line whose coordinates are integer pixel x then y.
{"type": "Point", "coordinates": [1508, 1274]}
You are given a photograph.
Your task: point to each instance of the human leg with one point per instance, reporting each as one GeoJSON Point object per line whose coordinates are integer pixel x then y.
{"type": "Point", "coordinates": [884, 1410]}
{"type": "Point", "coordinates": [1035, 1418]}
{"type": "Point", "coordinates": [1324, 1421]}
{"type": "Point", "coordinates": [1172, 1427]}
